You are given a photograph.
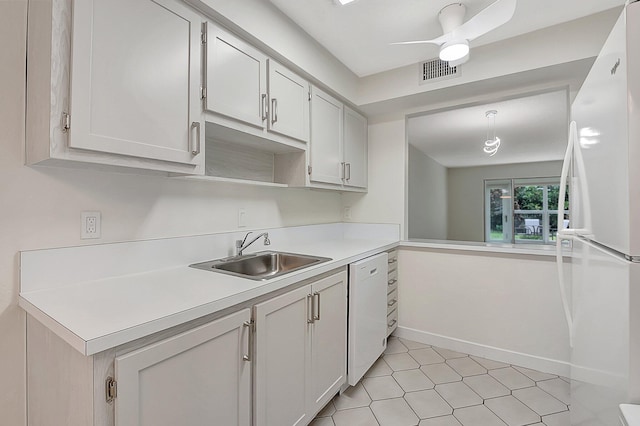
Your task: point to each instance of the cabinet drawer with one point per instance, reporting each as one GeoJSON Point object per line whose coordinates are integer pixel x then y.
{"type": "Point", "coordinates": [392, 322]}
{"type": "Point", "coordinates": [393, 260]}
{"type": "Point", "coordinates": [392, 281]}
{"type": "Point", "coordinates": [392, 301]}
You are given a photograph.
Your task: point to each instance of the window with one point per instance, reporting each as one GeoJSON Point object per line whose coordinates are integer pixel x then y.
{"type": "Point", "coordinates": [524, 211]}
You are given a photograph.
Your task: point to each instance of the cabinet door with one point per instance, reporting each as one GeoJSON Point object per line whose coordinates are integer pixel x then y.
{"type": "Point", "coordinates": [196, 378]}
{"type": "Point", "coordinates": [282, 359]}
{"type": "Point", "coordinates": [236, 78]}
{"type": "Point", "coordinates": [328, 339]}
{"type": "Point", "coordinates": [355, 148]}
{"type": "Point", "coordinates": [288, 103]}
{"type": "Point", "coordinates": [326, 138]}
{"type": "Point", "coordinates": [135, 79]}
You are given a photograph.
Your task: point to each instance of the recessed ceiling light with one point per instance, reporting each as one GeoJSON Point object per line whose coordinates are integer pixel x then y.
{"type": "Point", "coordinates": [343, 2]}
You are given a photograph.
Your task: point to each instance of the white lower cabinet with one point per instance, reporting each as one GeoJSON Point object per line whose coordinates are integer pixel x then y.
{"type": "Point", "coordinates": [195, 378]}
{"type": "Point", "coordinates": [293, 352]}
{"type": "Point", "coordinates": [301, 352]}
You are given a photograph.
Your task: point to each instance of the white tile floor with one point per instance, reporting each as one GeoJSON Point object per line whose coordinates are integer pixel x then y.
{"type": "Point", "coordinates": [415, 384]}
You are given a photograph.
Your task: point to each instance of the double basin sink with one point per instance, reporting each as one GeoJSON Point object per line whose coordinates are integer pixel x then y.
{"type": "Point", "coordinates": [261, 266]}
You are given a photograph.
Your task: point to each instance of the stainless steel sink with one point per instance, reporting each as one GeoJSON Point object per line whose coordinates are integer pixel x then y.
{"type": "Point", "coordinates": [261, 266]}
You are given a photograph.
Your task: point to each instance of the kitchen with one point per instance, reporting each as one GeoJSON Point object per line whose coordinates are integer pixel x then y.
{"type": "Point", "coordinates": [43, 204]}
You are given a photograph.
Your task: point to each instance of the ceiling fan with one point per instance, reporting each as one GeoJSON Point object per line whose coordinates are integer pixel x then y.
{"type": "Point", "coordinates": [454, 44]}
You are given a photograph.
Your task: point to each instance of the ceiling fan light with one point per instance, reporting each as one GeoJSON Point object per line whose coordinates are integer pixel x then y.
{"type": "Point", "coordinates": [454, 50]}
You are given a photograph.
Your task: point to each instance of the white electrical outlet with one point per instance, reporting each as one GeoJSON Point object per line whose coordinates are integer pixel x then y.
{"type": "Point", "coordinates": [347, 213]}
{"type": "Point", "coordinates": [242, 218]}
{"type": "Point", "coordinates": [90, 225]}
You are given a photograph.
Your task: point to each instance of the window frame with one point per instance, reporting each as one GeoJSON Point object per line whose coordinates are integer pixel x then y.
{"type": "Point", "coordinates": [546, 212]}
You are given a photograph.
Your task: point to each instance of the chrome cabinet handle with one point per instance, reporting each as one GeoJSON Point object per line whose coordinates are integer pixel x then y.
{"type": "Point", "coordinates": [392, 282]}
{"type": "Point", "coordinates": [392, 261]}
{"type": "Point", "coordinates": [249, 324]}
{"type": "Point", "coordinates": [265, 110]}
{"type": "Point", "coordinates": [344, 168]}
{"type": "Point", "coordinates": [348, 171]}
{"type": "Point", "coordinates": [393, 302]}
{"type": "Point", "coordinates": [195, 142]}
{"type": "Point", "coordinates": [274, 110]}
{"type": "Point", "coordinates": [392, 323]}
{"type": "Point", "coordinates": [310, 309]}
{"type": "Point", "coordinates": [316, 316]}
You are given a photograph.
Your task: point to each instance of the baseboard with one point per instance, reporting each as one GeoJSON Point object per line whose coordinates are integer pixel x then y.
{"type": "Point", "coordinates": [561, 368]}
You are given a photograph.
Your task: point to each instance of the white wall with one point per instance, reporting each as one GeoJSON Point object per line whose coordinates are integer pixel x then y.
{"type": "Point", "coordinates": [385, 200]}
{"type": "Point", "coordinates": [426, 197]}
{"type": "Point", "coordinates": [466, 194]}
{"type": "Point", "coordinates": [41, 207]}
{"type": "Point", "coordinates": [502, 306]}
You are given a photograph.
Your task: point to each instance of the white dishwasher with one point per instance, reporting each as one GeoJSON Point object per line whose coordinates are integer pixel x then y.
{"type": "Point", "coordinates": [367, 314]}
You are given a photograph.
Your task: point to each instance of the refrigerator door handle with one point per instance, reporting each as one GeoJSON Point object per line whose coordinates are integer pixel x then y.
{"type": "Point", "coordinates": [562, 235]}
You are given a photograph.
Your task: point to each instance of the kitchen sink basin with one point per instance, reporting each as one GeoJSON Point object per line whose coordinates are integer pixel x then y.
{"type": "Point", "coordinates": [261, 266]}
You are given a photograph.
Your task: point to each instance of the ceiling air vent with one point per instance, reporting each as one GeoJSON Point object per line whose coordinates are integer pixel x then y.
{"type": "Point", "coordinates": [436, 69]}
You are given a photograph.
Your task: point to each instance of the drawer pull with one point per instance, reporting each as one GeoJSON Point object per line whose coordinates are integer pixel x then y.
{"type": "Point", "coordinates": [392, 323]}
{"type": "Point", "coordinates": [392, 282]}
{"type": "Point", "coordinates": [392, 261]}
{"type": "Point", "coordinates": [393, 302]}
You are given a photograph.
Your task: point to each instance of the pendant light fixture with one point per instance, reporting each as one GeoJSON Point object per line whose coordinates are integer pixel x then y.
{"type": "Point", "coordinates": [492, 144]}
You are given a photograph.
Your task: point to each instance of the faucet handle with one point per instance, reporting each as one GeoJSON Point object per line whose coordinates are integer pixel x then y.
{"type": "Point", "coordinates": [267, 241]}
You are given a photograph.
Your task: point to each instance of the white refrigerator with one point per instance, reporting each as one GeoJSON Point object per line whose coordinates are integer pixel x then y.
{"type": "Point", "coordinates": [602, 296]}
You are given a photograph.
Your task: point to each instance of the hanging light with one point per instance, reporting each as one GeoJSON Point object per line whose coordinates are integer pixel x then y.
{"type": "Point", "coordinates": [492, 144]}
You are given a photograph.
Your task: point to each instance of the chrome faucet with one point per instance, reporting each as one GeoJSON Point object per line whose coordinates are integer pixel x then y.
{"type": "Point", "coordinates": [241, 245]}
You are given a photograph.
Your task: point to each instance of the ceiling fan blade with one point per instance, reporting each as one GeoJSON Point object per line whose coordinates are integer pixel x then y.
{"type": "Point", "coordinates": [490, 18]}
{"type": "Point", "coordinates": [439, 41]}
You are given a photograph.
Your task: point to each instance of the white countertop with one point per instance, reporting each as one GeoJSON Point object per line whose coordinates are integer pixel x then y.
{"type": "Point", "coordinates": [101, 314]}
{"type": "Point", "coordinates": [518, 249]}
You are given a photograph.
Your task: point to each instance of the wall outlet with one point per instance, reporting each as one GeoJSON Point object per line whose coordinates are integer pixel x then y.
{"type": "Point", "coordinates": [347, 213]}
{"type": "Point", "coordinates": [242, 218]}
{"type": "Point", "coordinates": [90, 225]}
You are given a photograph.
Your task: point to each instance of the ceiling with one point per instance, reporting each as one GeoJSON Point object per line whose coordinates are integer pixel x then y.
{"type": "Point", "coordinates": [532, 128]}
{"type": "Point", "coordinates": [359, 34]}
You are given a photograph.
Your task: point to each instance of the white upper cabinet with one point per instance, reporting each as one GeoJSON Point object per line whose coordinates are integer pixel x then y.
{"type": "Point", "coordinates": [135, 80]}
{"type": "Point", "coordinates": [246, 86]}
{"type": "Point", "coordinates": [236, 79]}
{"type": "Point", "coordinates": [355, 148]}
{"type": "Point", "coordinates": [338, 143]}
{"type": "Point", "coordinates": [327, 163]}
{"type": "Point", "coordinates": [288, 103]}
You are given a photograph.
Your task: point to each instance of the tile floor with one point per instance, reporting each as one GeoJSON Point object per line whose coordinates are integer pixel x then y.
{"type": "Point", "coordinates": [416, 384]}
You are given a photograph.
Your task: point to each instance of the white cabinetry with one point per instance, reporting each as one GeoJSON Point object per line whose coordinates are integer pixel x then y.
{"type": "Point", "coordinates": [326, 138]}
{"type": "Point", "coordinates": [236, 79]}
{"type": "Point", "coordinates": [131, 93]}
{"type": "Point", "coordinates": [392, 292]}
{"type": "Point", "coordinates": [355, 148]}
{"type": "Point", "coordinates": [338, 143]}
{"type": "Point", "coordinates": [288, 102]}
{"type": "Point", "coordinates": [197, 377]}
{"type": "Point", "coordinates": [300, 352]}
{"type": "Point", "coordinates": [243, 84]}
